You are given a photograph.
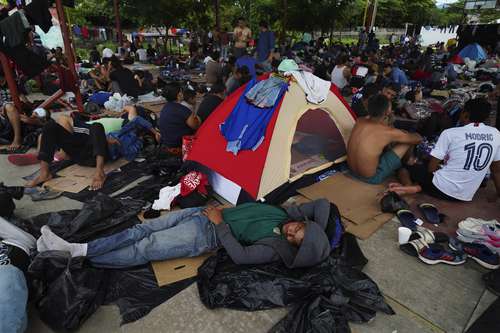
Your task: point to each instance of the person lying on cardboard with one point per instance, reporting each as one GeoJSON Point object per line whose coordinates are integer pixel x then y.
{"type": "Point", "coordinates": [251, 233]}
{"type": "Point", "coordinates": [375, 149]}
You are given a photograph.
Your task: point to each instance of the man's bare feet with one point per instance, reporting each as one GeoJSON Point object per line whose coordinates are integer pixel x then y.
{"type": "Point", "coordinates": [98, 181]}
{"type": "Point", "coordinates": [406, 189]}
{"type": "Point", "coordinates": [42, 178]}
{"type": "Point", "coordinates": [14, 146]}
{"type": "Point", "coordinates": [393, 185]}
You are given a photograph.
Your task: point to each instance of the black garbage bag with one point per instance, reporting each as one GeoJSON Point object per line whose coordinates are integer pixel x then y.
{"type": "Point", "coordinates": [68, 291]}
{"type": "Point", "coordinates": [327, 293]}
{"type": "Point", "coordinates": [136, 292]}
{"type": "Point", "coordinates": [100, 216]}
{"type": "Point", "coordinates": [114, 182]}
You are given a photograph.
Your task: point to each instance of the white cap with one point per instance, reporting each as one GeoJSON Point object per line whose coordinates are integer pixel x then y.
{"type": "Point", "coordinates": [40, 112]}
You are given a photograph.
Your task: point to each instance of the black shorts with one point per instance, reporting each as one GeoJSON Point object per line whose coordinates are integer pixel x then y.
{"type": "Point", "coordinates": [420, 174]}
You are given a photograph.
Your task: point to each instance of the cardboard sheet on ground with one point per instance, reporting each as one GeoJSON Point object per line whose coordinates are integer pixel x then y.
{"type": "Point", "coordinates": [76, 178]}
{"type": "Point", "coordinates": [171, 271]}
{"type": "Point", "coordinates": [358, 202]}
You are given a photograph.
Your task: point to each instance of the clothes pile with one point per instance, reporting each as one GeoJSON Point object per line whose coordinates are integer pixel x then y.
{"type": "Point", "coordinates": [117, 102]}
{"type": "Point", "coordinates": [246, 126]}
{"type": "Point", "coordinates": [192, 191]}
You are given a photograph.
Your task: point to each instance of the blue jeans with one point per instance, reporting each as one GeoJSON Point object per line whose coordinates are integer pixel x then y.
{"type": "Point", "coordinates": [130, 144]}
{"type": "Point", "coordinates": [184, 233]}
{"type": "Point", "coordinates": [13, 299]}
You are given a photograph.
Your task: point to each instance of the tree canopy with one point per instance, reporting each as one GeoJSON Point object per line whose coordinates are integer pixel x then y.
{"type": "Point", "coordinates": [300, 15]}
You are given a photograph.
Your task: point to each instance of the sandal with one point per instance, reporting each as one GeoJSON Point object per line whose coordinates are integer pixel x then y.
{"type": "Point", "coordinates": [431, 213]}
{"type": "Point", "coordinates": [407, 219]}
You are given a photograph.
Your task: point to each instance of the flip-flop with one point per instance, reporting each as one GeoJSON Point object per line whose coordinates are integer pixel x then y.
{"type": "Point", "coordinates": [407, 219]}
{"type": "Point", "coordinates": [20, 150]}
{"type": "Point", "coordinates": [392, 203]}
{"type": "Point", "coordinates": [430, 212]}
{"type": "Point", "coordinates": [23, 159]}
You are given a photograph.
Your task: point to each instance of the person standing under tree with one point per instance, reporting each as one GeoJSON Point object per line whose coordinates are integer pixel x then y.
{"type": "Point", "coordinates": [242, 35]}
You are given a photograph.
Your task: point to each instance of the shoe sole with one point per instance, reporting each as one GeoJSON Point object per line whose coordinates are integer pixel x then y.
{"type": "Point", "coordinates": [479, 261]}
{"type": "Point", "coordinates": [435, 262]}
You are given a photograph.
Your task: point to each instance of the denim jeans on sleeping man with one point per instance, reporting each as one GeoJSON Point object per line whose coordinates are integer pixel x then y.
{"type": "Point", "coordinates": [184, 233]}
{"type": "Point", "coordinates": [13, 287]}
{"type": "Point", "coordinates": [13, 299]}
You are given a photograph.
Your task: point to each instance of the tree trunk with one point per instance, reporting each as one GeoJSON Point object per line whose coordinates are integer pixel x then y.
{"type": "Point", "coordinates": [117, 22]}
{"type": "Point", "coordinates": [217, 13]}
{"type": "Point", "coordinates": [284, 22]}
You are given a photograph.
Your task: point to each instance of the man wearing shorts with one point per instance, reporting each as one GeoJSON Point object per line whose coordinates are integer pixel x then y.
{"type": "Point", "coordinates": [375, 149]}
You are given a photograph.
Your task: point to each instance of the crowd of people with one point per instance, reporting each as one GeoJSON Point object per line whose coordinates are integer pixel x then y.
{"type": "Point", "coordinates": [388, 87]}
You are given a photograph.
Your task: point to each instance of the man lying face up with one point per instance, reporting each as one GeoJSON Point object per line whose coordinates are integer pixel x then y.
{"type": "Point", "coordinates": [251, 233]}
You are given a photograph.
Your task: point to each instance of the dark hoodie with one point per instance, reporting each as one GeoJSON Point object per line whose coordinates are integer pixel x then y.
{"type": "Point", "coordinates": [314, 248]}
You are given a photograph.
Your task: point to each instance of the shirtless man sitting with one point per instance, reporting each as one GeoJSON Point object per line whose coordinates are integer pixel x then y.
{"type": "Point", "coordinates": [375, 149]}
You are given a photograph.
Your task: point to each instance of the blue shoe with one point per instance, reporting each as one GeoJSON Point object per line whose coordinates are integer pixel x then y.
{"type": "Point", "coordinates": [478, 252]}
{"type": "Point", "coordinates": [436, 254]}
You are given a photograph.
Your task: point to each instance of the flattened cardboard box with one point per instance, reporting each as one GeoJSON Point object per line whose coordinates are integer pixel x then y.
{"type": "Point", "coordinates": [170, 271]}
{"type": "Point", "coordinates": [76, 178]}
{"type": "Point", "coordinates": [358, 202]}
{"type": "Point", "coordinates": [174, 270]}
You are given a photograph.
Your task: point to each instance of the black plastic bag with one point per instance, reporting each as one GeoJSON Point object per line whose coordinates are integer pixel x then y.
{"type": "Point", "coordinates": [329, 293]}
{"type": "Point", "coordinates": [99, 216]}
{"type": "Point", "coordinates": [136, 292]}
{"type": "Point", "coordinates": [69, 293]}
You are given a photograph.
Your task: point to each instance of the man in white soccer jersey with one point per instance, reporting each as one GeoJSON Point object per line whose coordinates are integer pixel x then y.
{"type": "Point", "coordinates": [461, 159]}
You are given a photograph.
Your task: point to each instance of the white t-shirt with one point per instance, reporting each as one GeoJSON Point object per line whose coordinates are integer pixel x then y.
{"type": "Point", "coordinates": [338, 77]}
{"type": "Point", "coordinates": [143, 55]}
{"type": "Point", "coordinates": [107, 53]}
{"type": "Point", "coordinates": [468, 152]}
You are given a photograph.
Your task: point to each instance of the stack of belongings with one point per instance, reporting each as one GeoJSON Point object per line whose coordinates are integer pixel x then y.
{"type": "Point", "coordinates": [480, 237]}
{"type": "Point", "coordinates": [174, 75]}
{"type": "Point", "coordinates": [455, 103]}
{"type": "Point", "coordinates": [193, 190]}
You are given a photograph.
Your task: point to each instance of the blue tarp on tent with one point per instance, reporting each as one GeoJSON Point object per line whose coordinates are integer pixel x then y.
{"type": "Point", "coordinates": [474, 52]}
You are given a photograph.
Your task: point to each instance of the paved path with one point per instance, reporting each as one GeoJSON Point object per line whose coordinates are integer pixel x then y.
{"type": "Point", "coordinates": [426, 298]}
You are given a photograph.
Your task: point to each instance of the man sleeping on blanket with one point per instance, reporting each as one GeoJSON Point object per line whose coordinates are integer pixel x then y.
{"type": "Point", "coordinates": [251, 233]}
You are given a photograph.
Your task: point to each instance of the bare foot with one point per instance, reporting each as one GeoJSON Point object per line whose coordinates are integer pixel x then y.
{"type": "Point", "coordinates": [42, 178]}
{"type": "Point", "coordinates": [407, 189]}
{"type": "Point", "coordinates": [392, 185]}
{"type": "Point", "coordinates": [98, 181]}
{"type": "Point", "coordinates": [13, 146]}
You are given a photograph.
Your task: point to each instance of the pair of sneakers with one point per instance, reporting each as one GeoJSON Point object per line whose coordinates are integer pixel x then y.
{"type": "Point", "coordinates": [430, 248]}
{"type": "Point", "coordinates": [479, 231]}
{"type": "Point", "coordinates": [427, 246]}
